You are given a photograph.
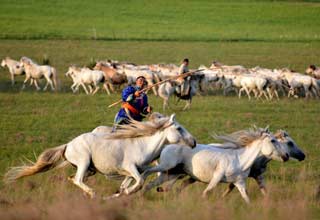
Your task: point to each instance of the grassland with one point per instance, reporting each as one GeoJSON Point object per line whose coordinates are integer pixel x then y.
{"type": "Point", "coordinates": [161, 20]}
{"type": "Point", "coordinates": [251, 33]}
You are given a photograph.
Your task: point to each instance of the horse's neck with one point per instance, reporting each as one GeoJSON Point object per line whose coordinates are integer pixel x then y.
{"type": "Point", "coordinates": [249, 154]}
{"type": "Point", "coordinates": [152, 145]}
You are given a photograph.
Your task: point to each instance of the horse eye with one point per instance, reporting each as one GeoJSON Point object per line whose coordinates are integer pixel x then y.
{"type": "Point", "coordinates": [290, 144]}
{"type": "Point", "coordinates": [179, 129]}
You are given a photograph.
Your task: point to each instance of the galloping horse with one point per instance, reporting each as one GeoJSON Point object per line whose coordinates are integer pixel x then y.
{"type": "Point", "coordinates": [35, 71]}
{"type": "Point", "coordinates": [126, 152]}
{"type": "Point", "coordinates": [220, 165]}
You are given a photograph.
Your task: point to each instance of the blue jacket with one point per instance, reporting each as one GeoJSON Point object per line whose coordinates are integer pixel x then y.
{"type": "Point", "coordinates": [139, 103]}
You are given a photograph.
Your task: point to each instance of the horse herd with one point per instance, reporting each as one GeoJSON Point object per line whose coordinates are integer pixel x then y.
{"type": "Point", "coordinates": [130, 153]}
{"type": "Point", "coordinates": [263, 83]}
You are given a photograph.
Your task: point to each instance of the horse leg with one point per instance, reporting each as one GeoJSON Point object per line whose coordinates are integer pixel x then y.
{"type": "Point", "coordinates": [188, 105]}
{"type": "Point", "coordinates": [36, 84]}
{"type": "Point", "coordinates": [90, 88]}
{"type": "Point", "coordinates": [185, 183]}
{"type": "Point", "coordinates": [248, 92]}
{"type": "Point", "coordinates": [265, 94]}
{"type": "Point", "coordinates": [105, 86]}
{"type": "Point", "coordinates": [49, 82]}
{"type": "Point", "coordinates": [45, 87]}
{"type": "Point", "coordinates": [162, 168]}
{"type": "Point", "coordinates": [84, 87]}
{"type": "Point", "coordinates": [273, 91]}
{"type": "Point", "coordinates": [262, 186]}
{"type": "Point", "coordinates": [241, 185]}
{"type": "Point", "coordinates": [228, 190]}
{"type": "Point", "coordinates": [138, 178]}
{"type": "Point", "coordinates": [12, 79]}
{"type": "Point", "coordinates": [125, 183]}
{"type": "Point", "coordinates": [162, 178]}
{"type": "Point", "coordinates": [73, 87]}
{"type": "Point", "coordinates": [96, 90]}
{"type": "Point", "coordinates": [82, 169]}
{"type": "Point", "coordinates": [25, 81]}
{"type": "Point", "coordinates": [216, 177]}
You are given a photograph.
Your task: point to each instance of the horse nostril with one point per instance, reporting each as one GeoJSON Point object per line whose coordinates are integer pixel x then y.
{"type": "Point", "coordinates": [194, 143]}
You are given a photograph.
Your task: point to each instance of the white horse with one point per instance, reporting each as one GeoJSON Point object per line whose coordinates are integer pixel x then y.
{"type": "Point", "coordinates": [256, 84]}
{"type": "Point", "coordinates": [125, 152]}
{"type": "Point", "coordinates": [297, 80]}
{"type": "Point", "coordinates": [219, 165]}
{"type": "Point", "coordinates": [82, 76]}
{"type": "Point", "coordinates": [258, 168]}
{"type": "Point", "coordinates": [35, 71]}
{"type": "Point", "coordinates": [260, 164]}
{"type": "Point", "coordinates": [168, 89]}
{"type": "Point", "coordinates": [14, 68]}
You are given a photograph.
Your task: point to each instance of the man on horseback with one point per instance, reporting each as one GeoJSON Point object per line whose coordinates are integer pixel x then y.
{"type": "Point", "coordinates": [134, 103]}
{"type": "Point", "coordinates": [183, 83]}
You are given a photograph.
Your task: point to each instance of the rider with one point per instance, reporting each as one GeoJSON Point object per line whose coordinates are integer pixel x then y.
{"type": "Point", "coordinates": [182, 82]}
{"type": "Point", "coordinates": [135, 103]}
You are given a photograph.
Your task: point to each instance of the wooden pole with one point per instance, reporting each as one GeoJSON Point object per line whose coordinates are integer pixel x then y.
{"type": "Point", "coordinates": [159, 83]}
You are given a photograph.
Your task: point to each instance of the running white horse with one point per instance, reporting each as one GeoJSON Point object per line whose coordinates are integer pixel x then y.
{"type": "Point", "coordinates": [125, 152]}
{"type": "Point", "coordinates": [219, 165]}
{"type": "Point", "coordinates": [259, 166]}
{"type": "Point", "coordinates": [82, 76]}
{"type": "Point", "coordinates": [35, 71]}
{"type": "Point", "coordinates": [14, 68]}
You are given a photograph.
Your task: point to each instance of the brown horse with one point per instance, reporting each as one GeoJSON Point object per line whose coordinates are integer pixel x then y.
{"type": "Point", "coordinates": [111, 75]}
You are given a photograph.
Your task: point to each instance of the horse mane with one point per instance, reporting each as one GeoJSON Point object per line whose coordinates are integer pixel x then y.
{"type": "Point", "coordinates": [281, 134]}
{"type": "Point", "coordinates": [242, 138]}
{"type": "Point", "coordinates": [134, 129]}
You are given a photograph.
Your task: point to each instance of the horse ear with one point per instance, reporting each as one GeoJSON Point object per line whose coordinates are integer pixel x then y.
{"type": "Point", "coordinates": [267, 129]}
{"type": "Point", "coordinates": [172, 117]}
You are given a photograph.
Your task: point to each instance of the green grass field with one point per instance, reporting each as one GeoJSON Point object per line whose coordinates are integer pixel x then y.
{"type": "Point", "coordinates": [250, 33]}
{"type": "Point", "coordinates": [161, 20]}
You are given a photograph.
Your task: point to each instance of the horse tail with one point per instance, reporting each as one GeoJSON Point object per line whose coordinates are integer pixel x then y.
{"type": "Point", "coordinates": [47, 160]}
{"type": "Point", "coordinates": [54, 78]}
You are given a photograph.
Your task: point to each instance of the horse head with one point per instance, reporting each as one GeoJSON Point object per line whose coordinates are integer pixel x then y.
{"type": "Point", "coordinates": [25, 61]}
{"type": "Point", "coordinates": [290, 145]}
{"type": "Point", "coordinates": [98, 66]}
{"type": "Point", "coordinates": [3, 63]}
{"type": "Point", "coordinates": [272, 148]}
{"type": "Point", "coordinates": [177, 134]}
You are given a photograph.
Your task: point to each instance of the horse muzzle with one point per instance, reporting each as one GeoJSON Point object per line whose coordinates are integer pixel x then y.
{"type": "Point", "coordinates": [301, 157]}
{"type": "Point", "coordinates": [285, 157]}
